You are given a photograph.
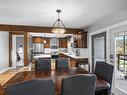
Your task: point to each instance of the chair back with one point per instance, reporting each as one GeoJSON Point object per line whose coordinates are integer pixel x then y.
{"type": "Point", "coordinates": [83, 84]}
{"type": "Point", "coordinates": [104, 70]}
{"type": "Point", "coordinates": [62, 63]}
{"type": "Point", "coordinates": [43, 64]}
{"type": "Point", "coordinates": [32, 87]}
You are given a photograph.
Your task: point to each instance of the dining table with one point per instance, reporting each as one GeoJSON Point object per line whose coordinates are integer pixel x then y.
{"type": "Point", "coordinates": [55, 75]}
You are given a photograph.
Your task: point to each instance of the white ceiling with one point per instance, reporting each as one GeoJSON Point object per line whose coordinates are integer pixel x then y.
{"type": "Point", "coordinates": [75, 13]}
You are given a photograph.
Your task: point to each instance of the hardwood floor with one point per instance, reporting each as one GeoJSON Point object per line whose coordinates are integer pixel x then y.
{"type": "Point", "coordinates": [4, 77]}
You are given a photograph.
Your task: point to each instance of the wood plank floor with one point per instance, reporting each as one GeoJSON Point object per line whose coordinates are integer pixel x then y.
{"type": "Point", "coordinates": [4, 77]}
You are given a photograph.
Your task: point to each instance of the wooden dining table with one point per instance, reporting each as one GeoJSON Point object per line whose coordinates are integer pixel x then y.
{"type": "Point", "coordinates": [55, 75]}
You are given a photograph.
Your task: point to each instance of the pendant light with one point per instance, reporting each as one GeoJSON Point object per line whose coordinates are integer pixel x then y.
{"type": "Point", "coordinates": [58, 27]}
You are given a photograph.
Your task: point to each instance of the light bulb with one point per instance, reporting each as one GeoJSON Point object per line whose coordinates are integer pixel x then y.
{"type": "Point", "coordinates": [44, 41]}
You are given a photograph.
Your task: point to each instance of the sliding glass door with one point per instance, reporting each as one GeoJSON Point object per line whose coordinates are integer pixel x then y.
{"type": "Point", "coordinates": [121, 53]}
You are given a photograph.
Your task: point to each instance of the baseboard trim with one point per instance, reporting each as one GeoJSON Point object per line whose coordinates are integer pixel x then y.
{"type": "Point", "coordinates": [5, 70]}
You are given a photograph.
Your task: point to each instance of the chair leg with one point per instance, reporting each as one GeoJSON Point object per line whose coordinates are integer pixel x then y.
{"type": "Point", "coordinates": [108, 91]}
{"type": "Point", "coordinates": [103, 92]}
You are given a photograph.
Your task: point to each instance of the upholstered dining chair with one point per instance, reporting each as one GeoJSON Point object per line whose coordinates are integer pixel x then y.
{"type": "Point", "coordinates": [32, 87]}
{"type": "Point", "coordinates": [62, 63]}
{"type": "Point", "coordinates": [105, 71]}
{"type": "Point", "coordinates": [83, 84]}
{"type": "Point", "coordinates": [43, 64]}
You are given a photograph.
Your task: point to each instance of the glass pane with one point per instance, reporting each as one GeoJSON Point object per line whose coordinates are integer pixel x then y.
{"type": "Point", "coordinates": [119, 45]}
{"type": "Point", "coordinates": [125, 67]}
{"type": "Point", "coordinates": [125, 45]}
{"type": "Point", "coordinates": [120, 52]}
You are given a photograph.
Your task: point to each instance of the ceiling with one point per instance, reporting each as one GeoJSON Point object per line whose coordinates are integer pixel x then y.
{"type": "Point", "coordinates": [75, 13]}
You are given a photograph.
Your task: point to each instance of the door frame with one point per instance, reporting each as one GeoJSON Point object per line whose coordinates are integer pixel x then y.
{"type": "Point", "coordinates": [103, 34]}
{"type": "Point", "coordinates": [25, 46]}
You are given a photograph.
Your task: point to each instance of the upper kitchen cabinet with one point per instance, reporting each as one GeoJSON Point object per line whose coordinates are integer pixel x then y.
{"type": "Point", "coordinates": [41, 40]}
{"type": "Point", "coordinates": [37, 40]}
{"type": "Point", "coordinates": [80, 40]}
{"type": "Point", "coordinates": [62, 42]}
{"type": "Point", "coordinates": [47, 44]}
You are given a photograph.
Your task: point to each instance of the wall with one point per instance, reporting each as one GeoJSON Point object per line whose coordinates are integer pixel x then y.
{"type": "Point", "coordinates": [4, 50]}
{"type": "Point", "coordinates": [110, 31]}
{"type": "Point", "coordinates": [112, 24]}
{"type": "Point", "coordinates": [13, 52]}
{"type": "Point", "coordinates": [84, 52]}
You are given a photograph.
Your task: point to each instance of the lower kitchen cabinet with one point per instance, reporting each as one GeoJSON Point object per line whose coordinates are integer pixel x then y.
{"type": "Point", "coordinates": [73, 62]}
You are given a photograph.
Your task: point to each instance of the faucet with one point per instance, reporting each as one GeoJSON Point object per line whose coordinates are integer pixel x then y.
{"type": "Point", "coordinates": [77, 52]}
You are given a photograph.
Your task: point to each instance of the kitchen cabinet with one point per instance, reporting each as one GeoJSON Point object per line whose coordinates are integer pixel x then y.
{"type": "Point", "coordinates": [62, 42]}
{"type": "Point", "coordinates": [74, 61]}
{"type": "Point", "coordinates": [80, 40]}
{"type": "Point", "coordinates": [41, 40]}
{"type": "Point", "coordinates": [47, 44]}
{"type": "Point", "coordinates": [37, 40]}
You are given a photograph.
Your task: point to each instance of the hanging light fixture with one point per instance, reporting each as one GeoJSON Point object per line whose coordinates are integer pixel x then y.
{"type": "Point", "coordinates": [58, 27]}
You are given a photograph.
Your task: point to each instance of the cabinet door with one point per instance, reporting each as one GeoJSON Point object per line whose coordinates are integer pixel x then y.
{"type": "Point", "coordinates": [84, 40]}
{"type": "Point", "coordinates": [72, 62]}
{"type": "Point", "coordinates": [47, 44]}
{"type": "Point", "coordinates": [37, 40]}
{"type": "Point", "coordinates": [62, 43]}
{"type": "Point", "coordinates": [80, 40]}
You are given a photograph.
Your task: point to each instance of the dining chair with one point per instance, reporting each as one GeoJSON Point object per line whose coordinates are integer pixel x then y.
{"type": "Point", "coordinates": [83, 84]}
{"type": "Point", "coordinates": [43, 64]}
{"type": "Point", "coordinates": [32, 87]}
{"type": "Point", "coordinates": [62, 63]}
{"type": "Point", "coordinates": [105, 71]}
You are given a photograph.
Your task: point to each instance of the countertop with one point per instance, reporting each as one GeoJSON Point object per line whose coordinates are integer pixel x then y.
{"type": "Point", "coordinates": [42, 56]}
{"type": "Point", "coordinates": [67, 54]}
{"type": "Point", "coordinates": [75, 57]}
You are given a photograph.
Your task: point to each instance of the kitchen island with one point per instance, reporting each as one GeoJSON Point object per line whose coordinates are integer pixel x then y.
{"type": "Point", "coordinates": [75, 60]}
{"type": "Point", "coordinates": [47, 55]}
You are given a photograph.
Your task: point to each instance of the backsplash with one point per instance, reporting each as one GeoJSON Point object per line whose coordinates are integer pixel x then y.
{"type": "Point", "coordinates": [83, 52]}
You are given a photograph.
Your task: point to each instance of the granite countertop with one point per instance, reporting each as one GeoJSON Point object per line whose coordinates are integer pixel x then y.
{"type": "Point", "coordinates": [42, 56]}
{"type": "Point", "coordinates": [75, 57]}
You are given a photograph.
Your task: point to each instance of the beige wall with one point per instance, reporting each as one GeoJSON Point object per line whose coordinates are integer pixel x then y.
{"type": "Point", "coordinates": [4, 50]}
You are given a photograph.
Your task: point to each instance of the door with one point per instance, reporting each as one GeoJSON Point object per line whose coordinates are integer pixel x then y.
{"type": "Point", "coordinates": [98, 48]}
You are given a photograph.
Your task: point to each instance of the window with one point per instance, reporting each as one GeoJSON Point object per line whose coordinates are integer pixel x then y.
{"type": "Point", "coordinates": [121, 53]}
{"type": "Point", "coordinates": [121, 61]}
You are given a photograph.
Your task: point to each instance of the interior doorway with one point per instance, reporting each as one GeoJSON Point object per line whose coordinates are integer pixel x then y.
{"type": "Point", "coordinates": [17, 50]}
